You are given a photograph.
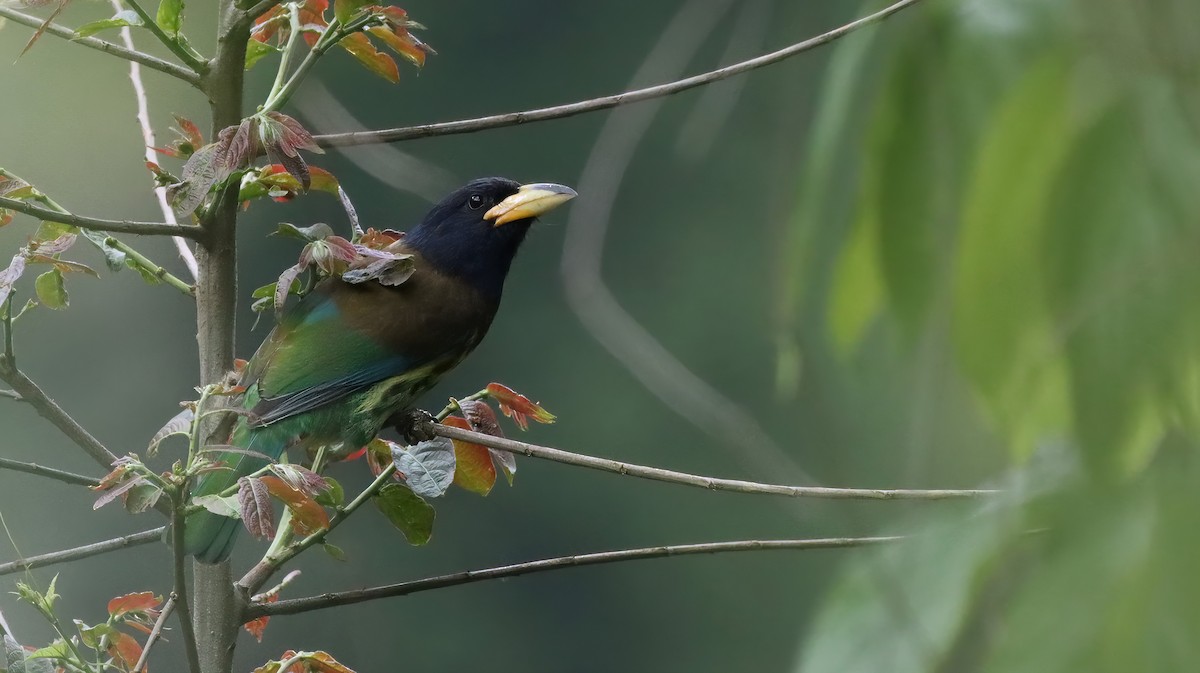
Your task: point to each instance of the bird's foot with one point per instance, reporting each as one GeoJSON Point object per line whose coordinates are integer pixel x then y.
{"type": "Point", "coordinates": [413, 425]}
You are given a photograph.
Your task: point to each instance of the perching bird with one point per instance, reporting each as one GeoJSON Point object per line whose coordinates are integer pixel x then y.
{"type": "Point", "coordinates": [346, 357]}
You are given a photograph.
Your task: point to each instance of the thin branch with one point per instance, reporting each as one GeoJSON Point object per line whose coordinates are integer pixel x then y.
{"type": "Point", "coordinates": [143, 118]}
{"type": "Point", "coordinates": [48, 472]}
{"type": "Point", "coordinates": [193, 61]}
{"type": "Point", "coordinates": [329, 600]}
{"type": "Point", "coordinates": [115, 226]}
{"type": "Point", "coordinates": [261, 8]}
{"type": "Point", "coordinates": [152, 62]}
{"type": "Point", "coordinates": [49, 410]}
{"type": "Point", "coordinates": [710, 483]}
{"type": "Point", "coordinates": [253, 580]}
{"type": "Point", "coordinates": [85, 551]}
{"type": "Point", "coordinates": [603, 103]}
{"type": "Point", "coordinates": [165, 612]}
{"type": "Point", "coordinates": [150, 267]}
{"type": "Point", "coordinates": [179, 558]}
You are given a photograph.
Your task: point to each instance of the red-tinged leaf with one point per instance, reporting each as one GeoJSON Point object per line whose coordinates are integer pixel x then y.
{"type": "Point", "coordinates": [142, 601]}
{"type": "Point", "coordinates": [284, 283]}
{"type": "Point", "coordinates": [116, 491]}
{"type": "Point", "coordinates": [188, 130]}
{"type": "Point", "coordinates": [307, 516]}
{"type": "Point", "coordinates": [323, 180]}
{"type": "Point", "coordinates": [255, 501]}
{"type": "Point", "coordinates": [323, 662]}
{"type": "Point", "coordinates": [518, 407]}
{"type": "Point", "coordinates": [67, 266]}
{"type": "Point", "coordinates": [112, 478]}
{"type": "Point", "coordinates": [15, 188]}
{"type": "Point", "coordinates": [402, 42]}
{"type": "Point", "coordinates": [59, 245]}
{"type": "Point", "coordinates": [482, 419]}
{"type": "Point", "coordinates": [180, 424]}
{"type": "Point", "coordinates": [507, 463]}
{"type": "Point", "coordinates": [256, 627]}
{"type": "Point", "coordinates": [124, 649]}
{"type": "Point", "coordinates": [243, 145]}
{"type": "Point", "coordinates": [202, 170]}
{"type": "Point", "coordinates": [380, 240]}
{"type": "Point", "coordinates": [360, 47]}
{"type": "Point", "coordinates": [42, 28]}
{"type": "Point", "coordinates": [10, 275]}
{"type": "Point", "coordinates": [344, 10]}
{"type": "Point", "coordinates": [312, 20]}
{"type": "Point", "coordinates": [301, 478]}
{"type": "Point", "coordinates": [407, 511]}
{"type": "Point", "coordinates": [267, 25]}
{"type": "Point", "coordinates": [474, 470]}
{"type": "Point", "coordinates": [6, 217]}
{"type": "Point", "coordinates": [295, 136]}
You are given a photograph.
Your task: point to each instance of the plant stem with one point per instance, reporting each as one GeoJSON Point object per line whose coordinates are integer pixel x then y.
{"type": "Point", "coordinates": [150, 267]}
{"type": "Point", "coordinates": [152, 62]}
{"type": "Point", "coordinates": [186, 627]}
{"type": "Point", "coordinates": [285, 59]}
{"type": "Point", "coordinates": [191, 59]}
{"type": "Point", "coordinates": [262, 571]}
{"type": "Point", "coordinates": [85, 551]}
{"type": "Point", "coordinates": [332, 35]}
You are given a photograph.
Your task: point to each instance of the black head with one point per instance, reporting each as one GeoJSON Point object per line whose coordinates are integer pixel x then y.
{"type": "Point", "coordinates": [474, 232]}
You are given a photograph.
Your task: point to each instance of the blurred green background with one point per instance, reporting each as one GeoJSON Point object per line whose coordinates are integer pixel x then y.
{"type": "Point", "coordinates": [955, 250]}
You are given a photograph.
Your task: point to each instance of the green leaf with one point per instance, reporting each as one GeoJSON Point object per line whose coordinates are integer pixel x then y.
{"type": "Point", "coordinates": [334, 551]}
{"type": "Point", "coordinates": [170, 16]}
{"type": "Point", "coordinates": [334, 496]}
{"type": "Point", "coordinates": [316, 232]}
{"type": "Point", "coordinates": [407, 511]}
{"type": "Point", "coordinates": [20, 661]}
{"type": "Point", "coordinates": [50, 289]}
{"type": "Point", "coordinates": [55, 650]}
{"type": "Point", "coordinates": [221, 506]}
{"type": "Point", "coordinates": [121, 19]}
{"type": "Point", "coordinates": [257, 51]}
{"type": "Point", "coordinates": [344, 10]}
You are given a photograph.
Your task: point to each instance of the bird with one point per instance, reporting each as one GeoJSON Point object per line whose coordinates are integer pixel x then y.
{"type": "Point", "coordinates": [347, 357]}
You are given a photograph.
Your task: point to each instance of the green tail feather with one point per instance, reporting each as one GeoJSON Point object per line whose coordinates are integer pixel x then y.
{"type": "Point", "coordinates": [208, 536]}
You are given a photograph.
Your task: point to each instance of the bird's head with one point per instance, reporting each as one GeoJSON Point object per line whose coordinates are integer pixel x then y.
{"type": "Point", "coordinates": [474, 232]}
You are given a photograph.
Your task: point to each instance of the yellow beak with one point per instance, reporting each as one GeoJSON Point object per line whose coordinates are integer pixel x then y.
{"type": "Point", "coordinates": [530, 201]}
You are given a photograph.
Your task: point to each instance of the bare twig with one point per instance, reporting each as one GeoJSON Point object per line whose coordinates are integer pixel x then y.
{"type": "Point", "coordinates": [85, 551]}
{"type": "Point", "coordinates": [155, 632]}
{"type": "Point", "coordinates": [115, 226]}
{"type": "Point", "coordinates": [603, 103]}
{"type": "Point", "coordinates": [601, 313]}
{"type": "Point", "coordinates": [710, 483]}
{"type": "Point", "coordinates": [49, 410]}
{"type": "Point", "coordinates": [48, 472]}
{"type": "Point", "coordinates": [152, 62]}
{"type": "Point", "coordinates": [329, 600]}
{"type": "Point", "coordinates": [143, 118]}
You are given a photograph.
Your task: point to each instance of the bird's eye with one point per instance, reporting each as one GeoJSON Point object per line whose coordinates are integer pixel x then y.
{"type": "Point", "coordinates": [476, 202]}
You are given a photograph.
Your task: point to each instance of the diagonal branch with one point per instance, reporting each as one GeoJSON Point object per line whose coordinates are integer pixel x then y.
{"type": "Point", "coordinates": [152, 62]}
{"type": "Point", "coordinates": [85, 551]}
{"type": "Point", "coordinates": [163, 614]}
{"type": "Point", "coordinates": [330, 600]}
{"type": "Point", "coordinates": [605, 102]}
{"type": "Point", "coordinates": [49, 410]}
{"type": "Point", "coordinates": [710, 483]}
{"type": "Point", "coordinates": [116, 226]}
{"type": "Point", "coordinates": [48, 472]}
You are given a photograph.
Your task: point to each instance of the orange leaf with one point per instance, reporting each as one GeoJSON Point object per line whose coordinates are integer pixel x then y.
{"type": "Point", "coordinates": [359, 45]}
{"type": "Point", "coordinates": [307, 516]}
{"type": "Point", "coordinates": [125, 649]}
{"type": "Point", "coordinates": [138, 602]}
{"type": "Point", "coordinates": [256, 626]}
{"type": "Point", "coordinates": [518, 407]}
{"type": "Point", "coordinates": [473, 468]}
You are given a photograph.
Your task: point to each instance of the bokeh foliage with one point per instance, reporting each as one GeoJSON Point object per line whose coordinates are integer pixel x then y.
{"type": "Point", "coordinates": [1025, 199]}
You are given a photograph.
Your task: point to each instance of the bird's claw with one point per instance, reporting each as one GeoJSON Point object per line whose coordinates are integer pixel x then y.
{"type": "Point", "coordinates": [413, 425]}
